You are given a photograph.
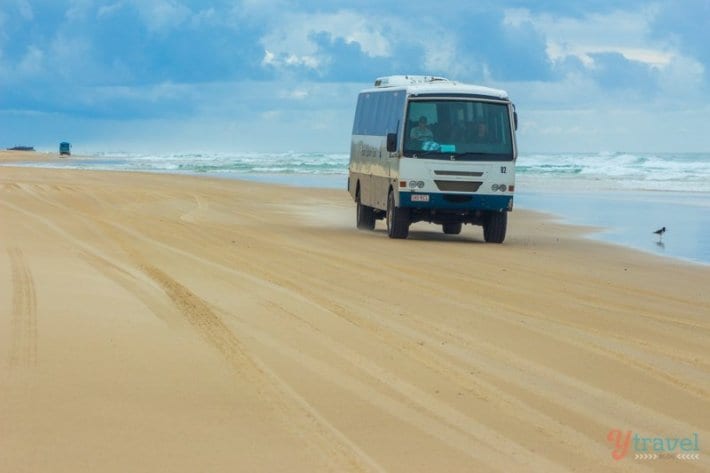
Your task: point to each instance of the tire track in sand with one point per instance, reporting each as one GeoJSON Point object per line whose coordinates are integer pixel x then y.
{"type": "Point", "coordinates": [23, 345]}
{"type": "Point", "coordinates": [296, 414]}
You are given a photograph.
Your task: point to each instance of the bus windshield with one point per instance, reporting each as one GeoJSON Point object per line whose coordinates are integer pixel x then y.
{"type": "Point", "coordinates": [458, 128]}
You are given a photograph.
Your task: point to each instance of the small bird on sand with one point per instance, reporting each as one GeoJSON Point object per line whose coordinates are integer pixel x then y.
{"type": "Point", "coordinates": [660, 232]}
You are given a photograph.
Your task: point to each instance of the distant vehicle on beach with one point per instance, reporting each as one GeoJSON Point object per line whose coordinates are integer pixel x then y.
{"type": "Point", "coordinates": [64, 149]}
{"type": "Point", "coordinates": [430, 149]}
{"type": "Point", "coordinates": [21, 148]}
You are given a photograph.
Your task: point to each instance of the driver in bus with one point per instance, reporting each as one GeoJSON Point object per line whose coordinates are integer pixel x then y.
{"type": "Point", "coordinates": [421, 132]}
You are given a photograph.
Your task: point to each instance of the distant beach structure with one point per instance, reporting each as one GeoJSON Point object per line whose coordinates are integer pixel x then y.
{"type": "Point", "coordinates": [21, 148]}
{"type": "Point", "coordinates": [64, 148]}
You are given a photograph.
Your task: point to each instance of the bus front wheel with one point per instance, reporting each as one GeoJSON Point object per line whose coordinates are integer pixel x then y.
{"type": "Point", "coordinates": [397, 219]}
{"type": "Point", "coordinates": [495, 226]}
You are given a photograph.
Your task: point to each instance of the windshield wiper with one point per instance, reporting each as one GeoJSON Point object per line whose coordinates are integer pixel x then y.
{"type": "Point", "coordinates": [420, 154]}
{"type": "Point", "coordinates": [424, 154]}
{"type": "Point", "coordinates": [485, 156]}
{"type": "Point", "coordinates": [471, 155]}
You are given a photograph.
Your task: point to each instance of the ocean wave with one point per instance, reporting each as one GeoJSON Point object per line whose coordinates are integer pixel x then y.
{"type": "Point", "coordinates": [606, 170]}
{"type": "Point", "coordinates": [672, 172]}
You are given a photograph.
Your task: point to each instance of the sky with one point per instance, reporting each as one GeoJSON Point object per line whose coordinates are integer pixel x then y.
{"type": "Point", "coordinates": [280, 75]}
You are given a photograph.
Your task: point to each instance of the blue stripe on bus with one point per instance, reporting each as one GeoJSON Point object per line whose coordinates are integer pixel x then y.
{"type": "Point", "coordinates": [477, 202]}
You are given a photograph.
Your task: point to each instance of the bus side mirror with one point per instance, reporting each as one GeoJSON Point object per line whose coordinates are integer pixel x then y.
{"type": "Point", "coordinates": [515, 120]}
{"type": "Point", "coordinates": [391, 142]}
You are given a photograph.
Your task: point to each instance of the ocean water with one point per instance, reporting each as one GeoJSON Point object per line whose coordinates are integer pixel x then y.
{"type": "Point", "coordinates": [629, 195]}
{"type": "Point", "coordinates": [681, 172]}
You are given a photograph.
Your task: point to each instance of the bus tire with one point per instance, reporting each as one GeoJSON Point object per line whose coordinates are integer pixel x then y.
{"type": "Point", "coordinates": [452, 228]}
{"type": "Point", "coordinates": [495, 226]}
{"type": "Point", "coordinates": [397, 219]}
{"type": "Point", "coordinates": [365, 217]}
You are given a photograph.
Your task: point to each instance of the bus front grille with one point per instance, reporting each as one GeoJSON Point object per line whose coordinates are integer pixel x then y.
{"type": "Point", "coordinates": [458, 186]}
{"type": "Point", "coordinates": [459, 173]}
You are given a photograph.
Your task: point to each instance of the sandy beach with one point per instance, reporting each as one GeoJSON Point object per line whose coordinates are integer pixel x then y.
{"type": "Point", "coordinates": [152, 322]}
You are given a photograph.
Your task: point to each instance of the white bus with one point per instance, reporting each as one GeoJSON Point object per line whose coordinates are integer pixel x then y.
{"type": "Point", "coordinates": [430, 149]}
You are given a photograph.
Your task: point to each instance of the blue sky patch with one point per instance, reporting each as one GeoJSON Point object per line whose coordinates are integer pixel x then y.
{"type": "Point", "coordinates": [276, 75]}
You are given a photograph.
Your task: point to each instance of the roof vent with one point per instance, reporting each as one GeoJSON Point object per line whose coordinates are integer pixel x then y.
{"type": "Point", "coordinates": [394, 81]}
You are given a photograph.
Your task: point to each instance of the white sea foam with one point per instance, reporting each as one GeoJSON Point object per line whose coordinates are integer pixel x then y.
{"type": "Point", "coordinates": [679, 172]}
{"type": "Point", "coordinates": [617, 171]}
{"type": "Point", "coordinates": [594, 188]}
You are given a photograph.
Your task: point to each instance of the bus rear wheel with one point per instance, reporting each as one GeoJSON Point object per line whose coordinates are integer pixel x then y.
{"type": "Point", "coordinates": [397, 219]}
{"type": "Point", "coordinates": [495, 226]}
{"type": "Point", "coordinates": [365, 217]}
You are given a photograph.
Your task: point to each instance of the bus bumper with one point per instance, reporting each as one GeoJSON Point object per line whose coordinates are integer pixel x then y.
{"type": "Point", "coordinates": [465, 202]}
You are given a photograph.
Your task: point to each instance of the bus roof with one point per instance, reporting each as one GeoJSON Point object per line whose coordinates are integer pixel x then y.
{"type": "Point", "coordinates": [415, 85]}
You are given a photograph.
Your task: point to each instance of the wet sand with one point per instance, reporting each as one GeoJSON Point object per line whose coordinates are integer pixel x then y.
{"type": "Point", "coordinates": [167, 323]}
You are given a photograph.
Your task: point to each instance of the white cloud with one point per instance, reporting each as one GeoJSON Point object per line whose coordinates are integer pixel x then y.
{"type": "Point", "coordinates": [442, 54]}
{"type": "Point", "coordinates": [295, 94]}
{"type": "Point", "coordinates": [584, 52]}
{"type": "Point", "coordinates": [577, 110]}
{"type": "Point", "coordinates": [78, 9]}
{"type": "Point", "coordinates": [290, 41]}
{"type": "Point", "coordinates": [271, 115]}
{"type": "Point", "coordinates": [618, 129]}
{"type": "Point", "coordinates": [308, 61]}
{"type": "Point", "coordinates": [146, 94]}
{"type": "Point", "coordinates": [577, 114]}
{"type": "Point", "coordinates": [269, 59]}
{"type": "Point", "coordinates": [624, 32]}
{"type": "Point", "coordinates": [3, 18]}
{"type": "Point", "coordinates": [32, 63]}
{"type": "Point", "coordinates": [108, 10]}
{"type": "Point", "coordinates": [683, 78]}
{"type": "Point", "coordinates": [299, 94]}
{"type": "Point", "coordinates": [25, 10]}
{"type": "Point", "coordinates": [285, 59]}
{"type": "Point", "coordinates": [262, 6]}
{"type": "Point", "coordinates": [161, 15]}
{"type": "Point", "coordinates": [204, 17]}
